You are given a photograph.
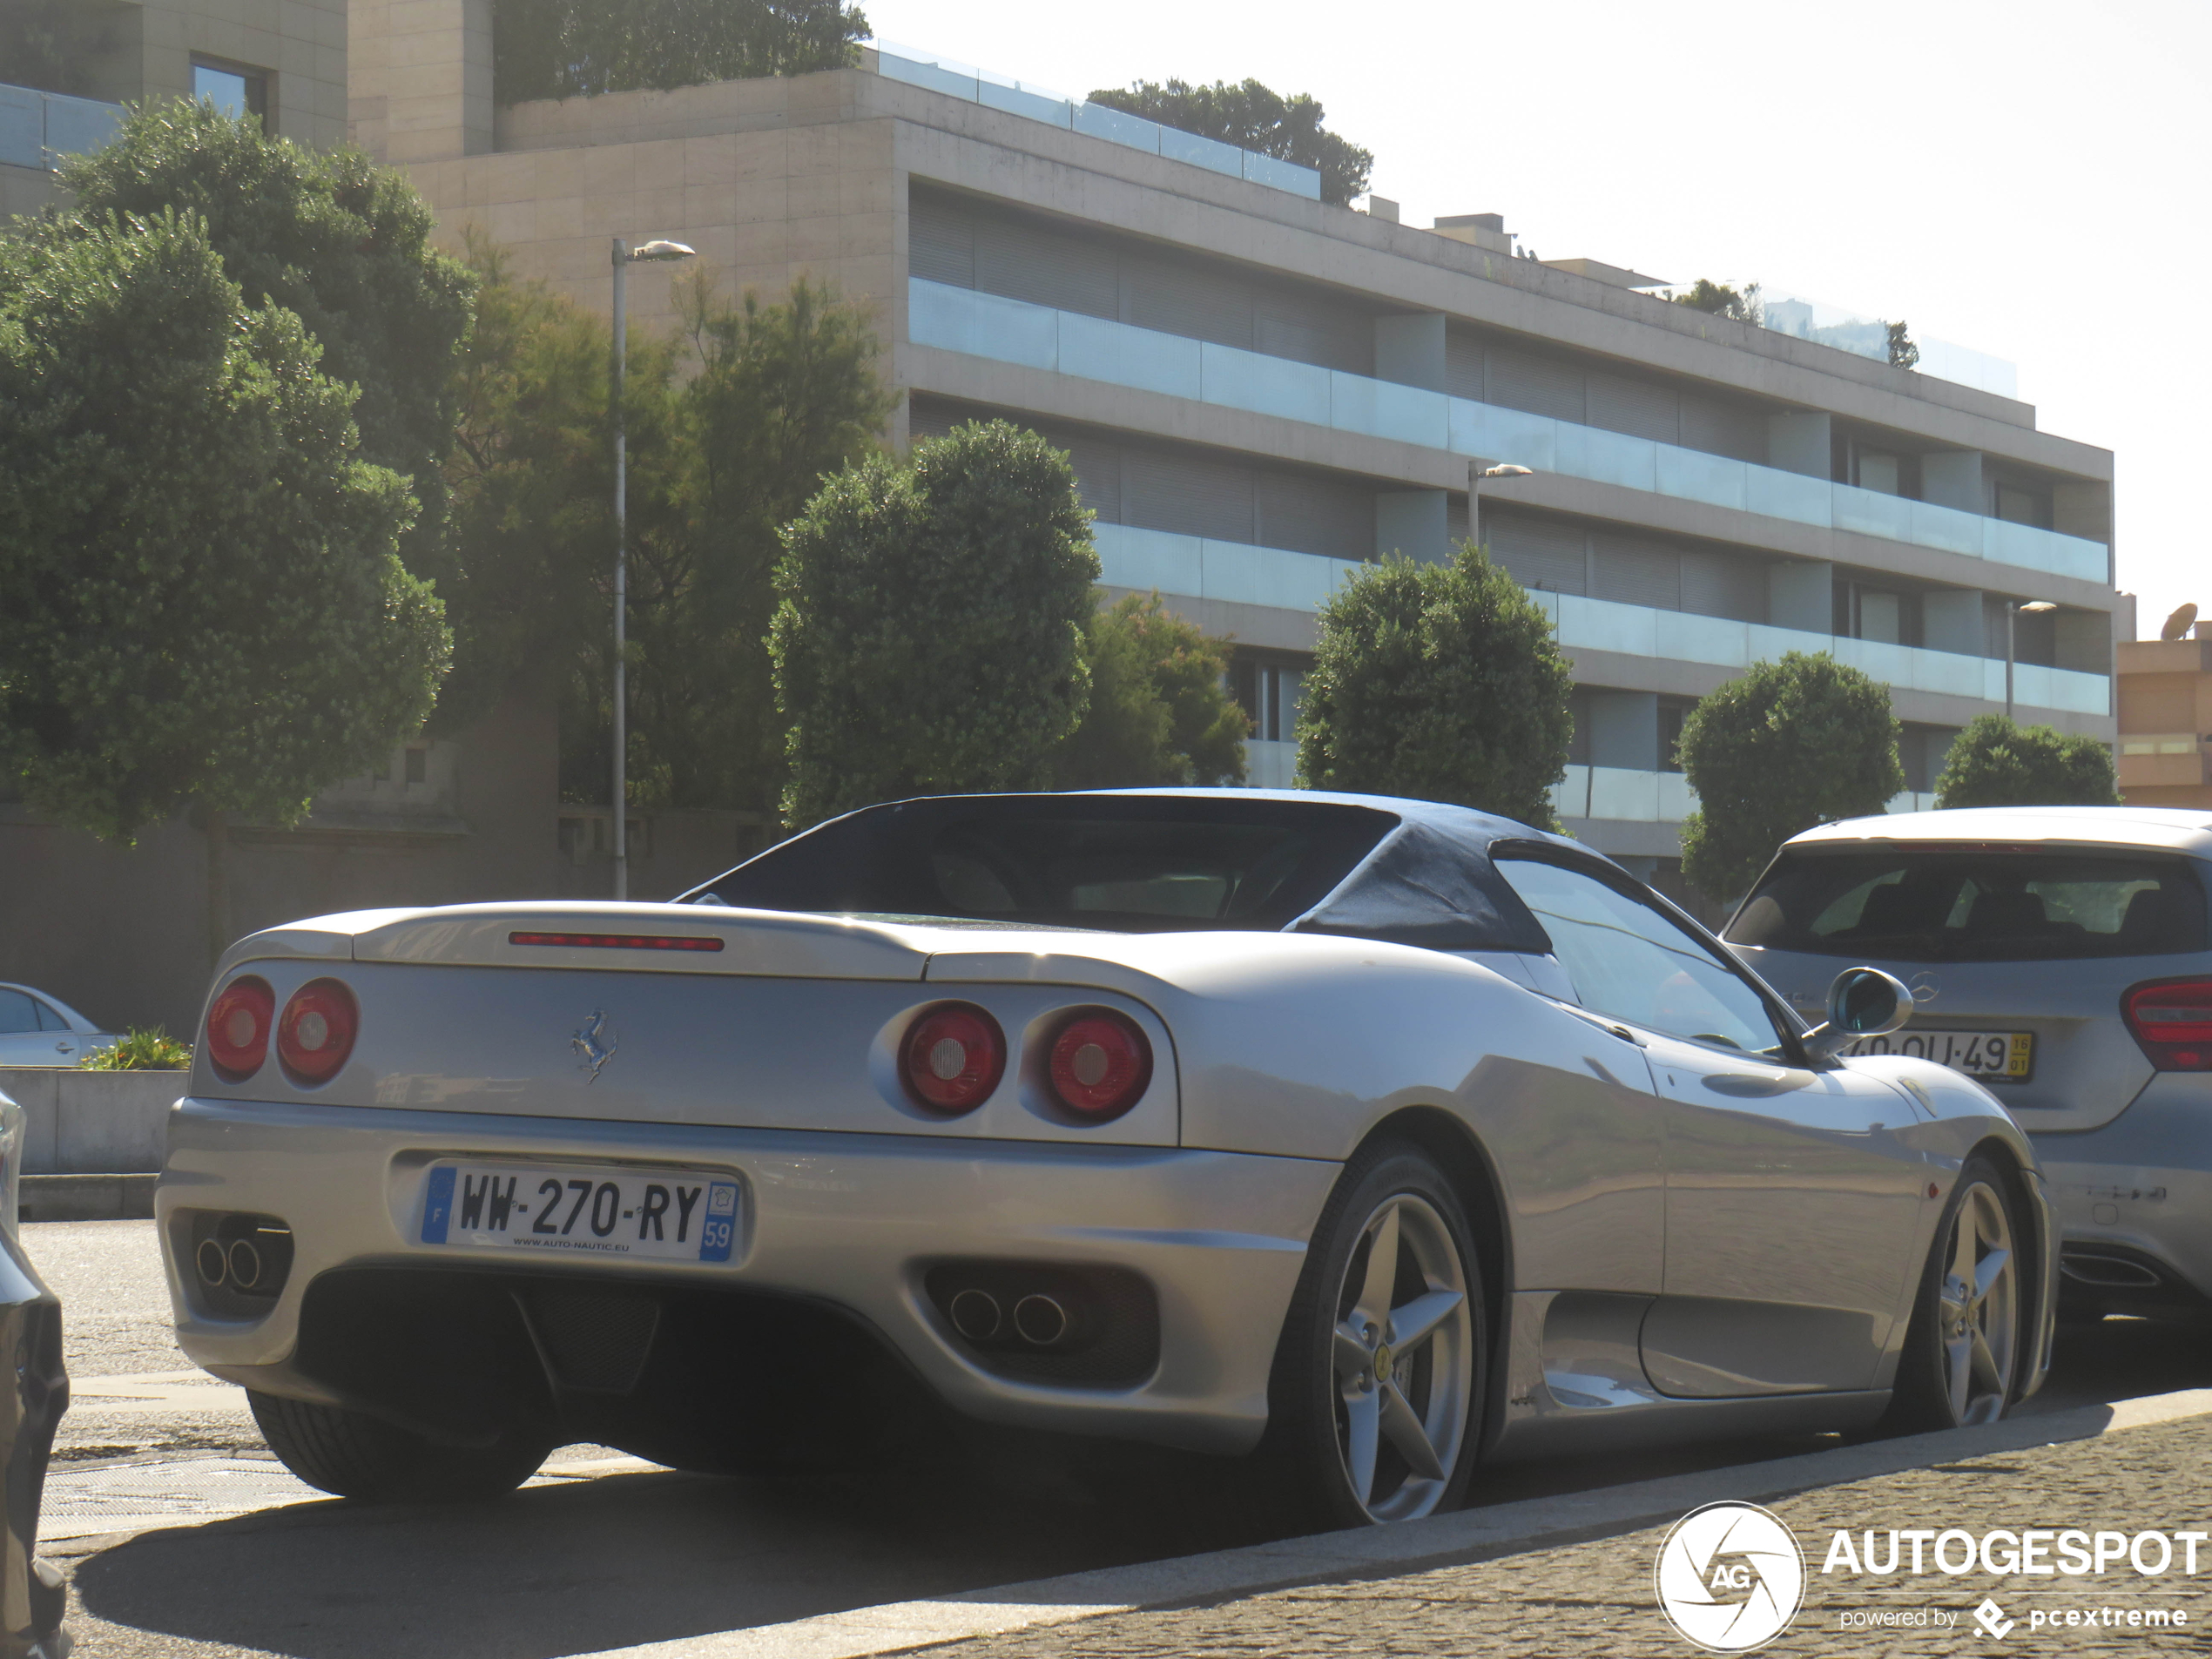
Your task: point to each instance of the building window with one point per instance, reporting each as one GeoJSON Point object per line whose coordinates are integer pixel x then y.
{"type": "Point", "coordinates": [234, 89]}
{"type": "Point", "coordinates": [1271, 693]}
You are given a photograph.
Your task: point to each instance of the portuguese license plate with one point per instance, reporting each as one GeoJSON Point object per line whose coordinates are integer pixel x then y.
{"type": "Point", "coordinates": [1990, 1056]}
{"type": "Point", "coordinates": [656, 1215]}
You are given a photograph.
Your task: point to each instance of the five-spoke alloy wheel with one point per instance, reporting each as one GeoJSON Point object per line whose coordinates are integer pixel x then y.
{"type": "Point", "coordinates": [1962, 1354]}
{"type": "Point", "coordinates": [1378, 1386]}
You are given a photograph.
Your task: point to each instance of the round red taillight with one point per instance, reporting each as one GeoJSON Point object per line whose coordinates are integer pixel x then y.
{"type": "Point", "coordinates": [1101, 1062]}
{"type": "Point", "coordinates": [238, 1028]}
{"type": "Point", "coordinates": [953, 1058]}
{"type": "Point", "coordinates": [316, 1033]}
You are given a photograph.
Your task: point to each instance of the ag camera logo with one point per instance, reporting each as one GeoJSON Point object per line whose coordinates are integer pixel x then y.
{"type": "Point", "coordinates": [1730, 1577]}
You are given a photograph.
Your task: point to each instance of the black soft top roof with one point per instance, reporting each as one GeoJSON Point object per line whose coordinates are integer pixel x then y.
{"type": "Point", "coordinates": [1409, 871]}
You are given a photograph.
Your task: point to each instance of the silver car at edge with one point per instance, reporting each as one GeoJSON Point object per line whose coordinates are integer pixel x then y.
{"type": "Point", "coordinates": [2060, 954]}
{"type": "Point", "coordinates": [1376, 1137]}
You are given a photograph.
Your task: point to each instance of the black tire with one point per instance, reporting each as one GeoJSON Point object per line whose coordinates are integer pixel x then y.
{"type": "Point", "coordinates": [1928, 1394]}
{"type": "Point", "coordinates": [354, 1455]}
{"type": "Point", "coordinates": [1310, 1445]}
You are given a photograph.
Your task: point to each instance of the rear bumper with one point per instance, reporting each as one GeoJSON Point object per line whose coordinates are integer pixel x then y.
{"type": "Point", "coordinates": [2140, 1186]}
{"type": "Point", "coordinates": [853, 1221]}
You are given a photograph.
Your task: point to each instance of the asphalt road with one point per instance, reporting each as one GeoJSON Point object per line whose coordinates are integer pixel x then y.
{"type": "Point", "coordinates": [221, 1553]}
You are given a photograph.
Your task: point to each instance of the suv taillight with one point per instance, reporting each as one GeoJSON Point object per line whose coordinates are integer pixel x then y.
{"type": "Point", "coordinates": [238, 1028]}
{"type": "Point", "coordinates": [2172, 1020]}
{"type": "Point", "coordinates": [317, 1031]}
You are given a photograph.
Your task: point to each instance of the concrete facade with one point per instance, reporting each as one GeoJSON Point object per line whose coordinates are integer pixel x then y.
{"type": "Point", "coordinates": [1260, 391]}
{"type": "Point", "coordinates": [2166, 722]}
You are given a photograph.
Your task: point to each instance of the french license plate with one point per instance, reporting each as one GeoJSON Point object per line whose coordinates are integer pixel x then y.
{"type": "Point", "coordinates": [1991, 1057]}
{"type": "Point", "coordinates": [657, 1215]}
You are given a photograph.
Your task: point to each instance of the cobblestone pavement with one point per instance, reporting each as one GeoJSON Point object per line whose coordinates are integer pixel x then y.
{"type": "Point", "coordinates": [1596, 1597]}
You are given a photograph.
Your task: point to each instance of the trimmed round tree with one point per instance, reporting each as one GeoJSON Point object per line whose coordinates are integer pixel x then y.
{"type": "Point", "coordinates": [1441, 681]}
{"type": "Point", "coordinates": [333, 237]}
{"type": "Point", "coordinates": [200, 598]}
{"type": "Point", "coordinates": [929, 630]}
{"type": "Point", "coordinates": [1792, 743]}
{"type": "Point", "coordinates": [1996, 763]}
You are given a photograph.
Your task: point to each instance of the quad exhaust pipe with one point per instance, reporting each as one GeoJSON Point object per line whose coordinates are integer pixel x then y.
{"type": "Point", "coordinates": [1039, 1320]}
{"type": "Point", "coordinates": [238, 1265]}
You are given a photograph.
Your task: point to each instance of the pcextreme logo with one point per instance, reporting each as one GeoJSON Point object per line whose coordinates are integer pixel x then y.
{"type": "Point", "coordinates": [1730, 1577]}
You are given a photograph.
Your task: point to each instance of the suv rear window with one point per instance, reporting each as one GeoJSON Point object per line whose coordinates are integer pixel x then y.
{"type": "Point", "coordinates": [1952, 904]}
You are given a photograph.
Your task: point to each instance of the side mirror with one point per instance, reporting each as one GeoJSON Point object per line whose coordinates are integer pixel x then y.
{"type": "Point", "coordinates": [1862, 1003]}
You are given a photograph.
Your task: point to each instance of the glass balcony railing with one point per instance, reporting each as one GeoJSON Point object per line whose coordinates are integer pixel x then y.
{"type": "Point", "coordinates": [1195, 568]}
{"type": "Point", "coordinates": [939, 74]}
{"type": "Point", "coordinates": [36, 128]}
{"type": "Point", "coordinates": [1625, 796]}
{"type": "Point", "coordinates": [1614, 793]}
{"type": "Point", "coordinates": [1865, 336]}
{"type": "Point", "coordinates": [1067, 342]}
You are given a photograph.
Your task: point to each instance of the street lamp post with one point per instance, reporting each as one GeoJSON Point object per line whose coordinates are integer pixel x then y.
{"type": "Point", "coordinates": [2012, 609]}
{"type": "Point", "coordinates": [625, 257]}
{"type": "Point", "coordinates": [1475, 475]}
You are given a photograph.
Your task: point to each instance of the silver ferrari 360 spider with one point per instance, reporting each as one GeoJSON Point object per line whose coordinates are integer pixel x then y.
{"type": "Point", "coordinates": [1373, 1137]}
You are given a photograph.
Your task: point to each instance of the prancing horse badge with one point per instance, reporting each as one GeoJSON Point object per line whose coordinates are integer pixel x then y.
{"type": "Point", "coordinates": [594, 1045]}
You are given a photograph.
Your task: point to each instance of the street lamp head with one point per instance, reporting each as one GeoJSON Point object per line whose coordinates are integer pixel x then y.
{"type": "Point", "coordinates": [2036, 607]}
{"type": "Point", "coordinates": [1506, 469]}
{"type": "Point", "coordinates": [654, 251]}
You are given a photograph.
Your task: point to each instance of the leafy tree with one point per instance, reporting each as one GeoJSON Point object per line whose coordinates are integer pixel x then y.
{"type": "Point", "coordinates": [1996, 763]}
{"type": "Point", "coordinates": [578, 48]}
{"type": "Point", "coordinates": [928, 637]}
{"type": "Point", "coordinates": [341, 243]}
{"type": "Point", "coordinates": [1442, 682]}
{"type": "Point", "coordinates": [1252, 116]}
{"type": "Point", "coordinates": [1903, 353]}
{"type": "Point", "coordinates": [784, 395]}
{"type": "Point", "coordinates": [1720, 300]}
{"type": "Point", "coordinates": [200, 598]}
{"type": "Point", "coordinates": [1159, 713]}
{"type": "Point", "coordinates": [527, 574]}
{"type": "Point", "coordinates": [1790, 745]}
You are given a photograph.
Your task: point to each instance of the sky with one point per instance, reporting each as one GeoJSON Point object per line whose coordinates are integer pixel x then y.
{"type": "Point", "coordinates": [2027, 179]}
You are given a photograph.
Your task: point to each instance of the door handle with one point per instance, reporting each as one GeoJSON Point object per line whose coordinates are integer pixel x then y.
{"type": "Point", "coordinates": [65, 1048]}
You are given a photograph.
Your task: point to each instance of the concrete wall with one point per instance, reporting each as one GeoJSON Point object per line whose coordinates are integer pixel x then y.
{"type": "Point", "coordinates": [420, 82]}
{"type": "Point", "coordinates": [763, 207]}
{"type": "Point", "coordinates": [92, 1122]}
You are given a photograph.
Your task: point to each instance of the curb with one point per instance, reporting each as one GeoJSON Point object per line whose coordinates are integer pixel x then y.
{"type": "Point", "coordinates": [1503, 1529]}
{"type": "Point", "coordinates": [86, 1197]}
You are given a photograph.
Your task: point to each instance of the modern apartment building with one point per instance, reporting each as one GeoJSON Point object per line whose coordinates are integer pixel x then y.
{"type": "Point", "coordinates": [1260, 391]}
{"type": "Point", "coordinates": [63, 90]}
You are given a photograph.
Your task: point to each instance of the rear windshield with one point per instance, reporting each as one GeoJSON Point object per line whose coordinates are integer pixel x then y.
{"type": "Point", "coordinates": [1138, 866]}
{"type": "Point", "coordinates": [1975, 905]}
